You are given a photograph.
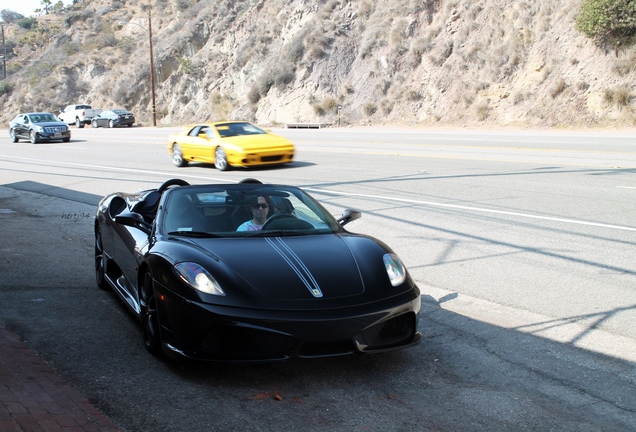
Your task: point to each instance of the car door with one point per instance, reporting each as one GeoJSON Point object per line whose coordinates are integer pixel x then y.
{"type": "Point", "coordinates": [22, 129]}
{"type": "Point", "coordinates": [128, 244]}
{"type": "Point", "coordinates": [195, 144]}
{"type": "Point", "coordinates": [102, 119]}
{"type": "Point", "coordinates": [202, 144]}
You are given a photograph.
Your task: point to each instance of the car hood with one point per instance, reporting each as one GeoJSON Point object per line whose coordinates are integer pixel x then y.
{"type": "Point", "coordinates": [50, 124]}
{"type": "Point", "coordinates": [258, 142]}
{"type": "Point", "coordinates": [291, 268]}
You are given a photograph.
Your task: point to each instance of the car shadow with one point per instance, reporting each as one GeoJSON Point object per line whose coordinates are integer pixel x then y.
{"type": "Point", "coordinates": [262, 168]}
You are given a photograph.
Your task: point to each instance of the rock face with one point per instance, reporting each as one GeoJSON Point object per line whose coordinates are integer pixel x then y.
{"type": "Point", "coordinates": [403, 62]}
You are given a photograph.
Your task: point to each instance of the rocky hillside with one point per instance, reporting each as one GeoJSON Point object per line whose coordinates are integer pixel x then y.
{"type": "Point", "coordinates": [404, 62]}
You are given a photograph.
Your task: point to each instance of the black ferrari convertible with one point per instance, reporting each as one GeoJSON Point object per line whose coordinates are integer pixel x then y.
{"type": "Point", "coordinates": [251, 272]}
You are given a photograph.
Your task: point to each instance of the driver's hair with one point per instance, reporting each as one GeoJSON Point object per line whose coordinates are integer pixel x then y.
{"type": "Point", "coordinates": [271, 208]}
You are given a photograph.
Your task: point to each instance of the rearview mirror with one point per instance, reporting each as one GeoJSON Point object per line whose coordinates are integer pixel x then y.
{"type": "Point", "coordinates": [349, 215]}
{"type": "Point", "coordinates": [134, 220]}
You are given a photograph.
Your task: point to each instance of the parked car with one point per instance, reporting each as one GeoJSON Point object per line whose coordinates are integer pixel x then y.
{"type": "Point", "coordinates": [229, 144]}
{"type": "Point", "coordinates": [79, 114]}
{"type": "Point", "coordinates": [300, 286]}
{"type": "Point", "coordinates": [113, 118]}
{"type": "Point", "coordinates": [38, 126]}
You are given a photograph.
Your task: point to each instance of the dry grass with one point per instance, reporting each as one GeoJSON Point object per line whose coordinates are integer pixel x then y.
{"type": "Point", "coordinates": [618, 96]}
{"type": "Point", "coordinates": [390, 59]}
{"type": "Point", "coordinates": [557, 88]}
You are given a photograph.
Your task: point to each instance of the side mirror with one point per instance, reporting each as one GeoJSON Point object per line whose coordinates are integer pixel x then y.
{"type": "Point", "coordinates": [134, 220]}
{"type": "Point", "coordinates": [349, 215]}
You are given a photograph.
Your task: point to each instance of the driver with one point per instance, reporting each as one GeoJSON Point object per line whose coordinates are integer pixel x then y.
{"type": "Point", "coordinates": [260, 212]}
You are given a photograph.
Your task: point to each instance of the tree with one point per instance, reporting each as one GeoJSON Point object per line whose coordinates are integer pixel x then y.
{"type": "Point", "coordinates": [58, 7]}
{"type": "Point", "coordinates": [46, 4]}
{"type": "Point", "coordinates": [607, 21]}
{"type": "Point", "coordinates": [8, 15]}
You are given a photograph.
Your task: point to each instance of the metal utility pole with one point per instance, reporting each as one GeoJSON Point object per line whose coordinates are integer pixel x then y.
{"type": "Point", "coordinates": [152, 64]}
{"type": "Point", "coordinates": [4, 56]}
{"type": "Point", "coordinates": [152, 72]}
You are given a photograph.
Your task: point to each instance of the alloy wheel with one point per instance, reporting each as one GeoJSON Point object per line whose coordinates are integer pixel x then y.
{"type": "Point", "coordinates": [150, 321]}
{"type": "Point", "coordinates": [100, 261]}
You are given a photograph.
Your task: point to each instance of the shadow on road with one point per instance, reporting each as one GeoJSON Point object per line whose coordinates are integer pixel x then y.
{"type": "Point", "coordinates": [465, 375]}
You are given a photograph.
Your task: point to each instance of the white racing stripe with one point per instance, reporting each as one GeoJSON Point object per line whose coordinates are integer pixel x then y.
{"type": "Point", "coordinates": [296, 264]}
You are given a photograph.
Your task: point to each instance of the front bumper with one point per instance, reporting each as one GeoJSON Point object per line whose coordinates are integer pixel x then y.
{"type": "Point", "coordinates": [275, 157]}
{"type": "Point", "coordinates": [46, 136]}
{"type": "Point", "coordinates": [218, 333]}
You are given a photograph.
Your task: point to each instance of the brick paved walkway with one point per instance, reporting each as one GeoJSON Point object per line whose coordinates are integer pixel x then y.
{"type": "Point", "coordinates": [34, 398]}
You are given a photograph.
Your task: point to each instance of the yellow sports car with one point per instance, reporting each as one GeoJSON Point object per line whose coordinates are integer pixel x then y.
{"type": "Point", "coordinates": [229, 144]}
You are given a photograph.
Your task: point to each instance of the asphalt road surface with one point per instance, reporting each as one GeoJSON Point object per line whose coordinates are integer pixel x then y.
{"type": "Point", "coordinates": [523, 244]}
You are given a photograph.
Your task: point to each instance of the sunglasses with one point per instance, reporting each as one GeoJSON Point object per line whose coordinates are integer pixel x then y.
{"type": "Point", "coordinates": [257, 206]}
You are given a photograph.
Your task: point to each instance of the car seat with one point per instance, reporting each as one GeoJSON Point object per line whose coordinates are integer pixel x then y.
{"type": "Point", "coordinates": [182, 215]}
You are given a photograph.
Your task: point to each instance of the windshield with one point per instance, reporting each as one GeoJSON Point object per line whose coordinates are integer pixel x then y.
{"type": "Point", "coordinates": [243, 210]}
{"type": "Point", "coordinates": [42, 117]}
{"type": "Point", "coordinates": [227, 130]}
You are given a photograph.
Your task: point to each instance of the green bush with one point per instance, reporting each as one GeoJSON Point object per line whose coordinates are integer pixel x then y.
{"type": "Point", "coordinates": [28, 23]}
{"type": "Point", "coordinates": [607, 21]}
{"type": "Point", "coordinates": [6, 87]}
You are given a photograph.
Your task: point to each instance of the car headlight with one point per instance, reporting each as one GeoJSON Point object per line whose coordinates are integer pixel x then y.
{"type": "Point", "coordinates": [198, 278]}
{"type": "Point", "coordinates": [38, 129]}
{"type": "Point", "coordinates": [394, 268]}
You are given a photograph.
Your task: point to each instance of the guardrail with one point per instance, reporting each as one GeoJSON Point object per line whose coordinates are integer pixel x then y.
{"type": "Point", "coordinates": [305, 125]}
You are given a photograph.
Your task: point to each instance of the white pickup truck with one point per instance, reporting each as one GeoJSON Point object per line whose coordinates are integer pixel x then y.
{"type": "Point", "coordinates": [80, 114]}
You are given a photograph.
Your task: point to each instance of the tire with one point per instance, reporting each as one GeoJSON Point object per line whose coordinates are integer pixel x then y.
{"type": "Point", "coordinates": [66, 139]}
{"type": "Point", "coordinates": [129, 124]}
{"type": "Point", "coordinates": [177, 156]}
{"type": "Point", "coordinates": [78, 123]}
{"type": "Point", "coordinates": [220, 159]}
{"type": "Point", "coordinates": [13, 136]}
{"type": "Point", "coordinates": [150, 321]}
{"type": "Point", "coordinates": [94, 124]}
{"type": "Point", "coordinates": [111, 124]}
{"type": "Point", "coordinates": [100, 261]}
{"type": "Point", "coordinates": [33, 137]}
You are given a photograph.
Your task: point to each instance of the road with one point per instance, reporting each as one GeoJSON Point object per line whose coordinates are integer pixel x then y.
{"type": "Point", "coordinates": [523, 244]}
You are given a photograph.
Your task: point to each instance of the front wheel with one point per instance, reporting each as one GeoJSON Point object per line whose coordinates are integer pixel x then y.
{"type": "Point", "coordinates": [111, 124]}
{"type": "Point", "coordinates": [33, 137]}
{"type": "Point", "coordinates": [220, 159]}
{"type": "Point", "coordinates": [100, 261]}
{"type": "Point", "coordinates": [150, 321]}
{"type": "Point", "coordinates": [94, 123]}
{"type": "Point", "coordinates": [78, 123]}
{"type": "Point", "coordinates": [13, 136]}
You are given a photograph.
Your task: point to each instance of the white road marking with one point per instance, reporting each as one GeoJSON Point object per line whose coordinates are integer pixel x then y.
{"type": "Point", "coordinates": [428, 203]}
{"type": "Point", "coordinates": [478, 209]}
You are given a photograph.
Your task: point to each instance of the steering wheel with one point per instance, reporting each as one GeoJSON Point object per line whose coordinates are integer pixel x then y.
{"type": "Point", "coordinates": [277, 216]}
{"type": "Point", "coordinates": [172, 182]}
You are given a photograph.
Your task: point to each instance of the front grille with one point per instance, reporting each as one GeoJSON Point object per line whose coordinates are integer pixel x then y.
{"type": "Point", "coordinates": [391, 332]}
{"type": "Point", "coordinates": [54, 129]}
{"type": "Point", "coordinates": [244, 343]}
{"type": "Point", "coordinates": [324, 349]}
{"type": "Point", "coordinates": [271, 158]}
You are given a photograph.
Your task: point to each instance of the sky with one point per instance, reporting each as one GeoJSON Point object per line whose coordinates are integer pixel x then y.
{"type": "Point", "coordinates": [26, 7]}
